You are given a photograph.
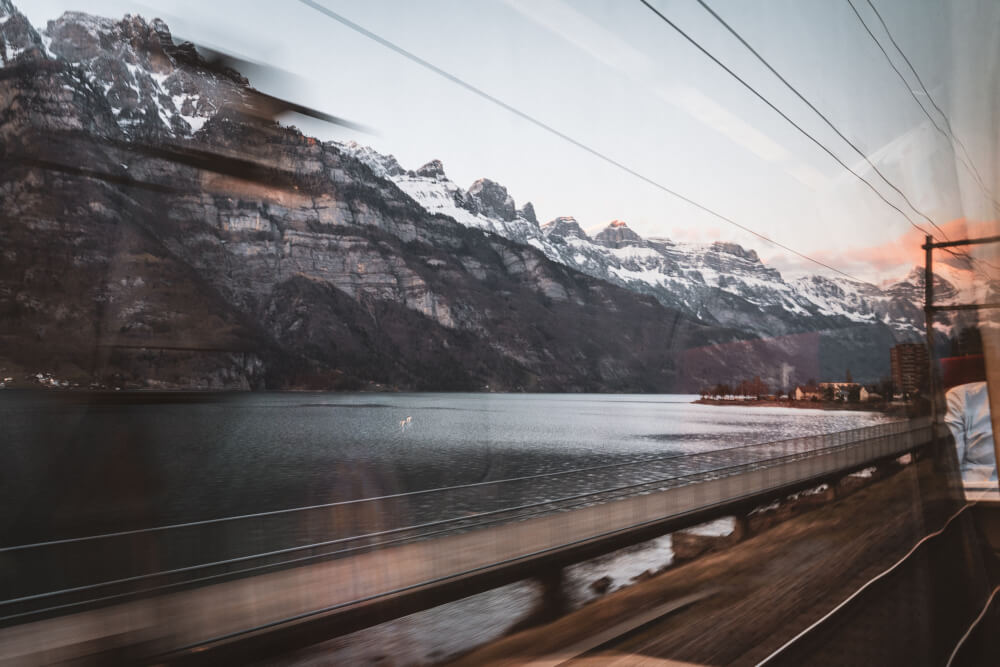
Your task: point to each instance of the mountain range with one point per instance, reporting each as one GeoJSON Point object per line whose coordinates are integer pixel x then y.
{"type": "Point", "coordinates": [721, 283]}
{"type": "Point", "coordinates": [161, 230]}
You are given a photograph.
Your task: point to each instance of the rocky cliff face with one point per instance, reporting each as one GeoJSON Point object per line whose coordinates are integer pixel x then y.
{"type": "Point", "coordinates": [158, 232]}
{"type": "Point", "coordinates": [720, 283]}
{"type": "Point", "coordinates": [155, 234]}
{"type": "Point", "coordinates": [491, 199]}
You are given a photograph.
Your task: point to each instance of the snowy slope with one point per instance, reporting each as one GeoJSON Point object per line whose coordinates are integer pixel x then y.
{"type": "Point", "coordinates": [152, 95]}
{"type": "Point", "coordinates": [720, 282]}
{"type": "Point", "coordinates": [127, 62]}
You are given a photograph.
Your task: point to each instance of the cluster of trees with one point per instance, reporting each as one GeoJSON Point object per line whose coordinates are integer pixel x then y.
{"type": "Point", "coordinates": [758, 389]}
{"type": "Point", "coordinates": [754, 387]}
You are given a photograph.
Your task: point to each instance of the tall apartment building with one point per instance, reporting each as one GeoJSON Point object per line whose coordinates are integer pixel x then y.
{"type": "Point", "coordinates": [909, 367]}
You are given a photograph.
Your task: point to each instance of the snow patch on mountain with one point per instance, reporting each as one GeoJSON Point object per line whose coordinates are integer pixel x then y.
{"type": "Point", "coordinates": [485, 205]}
{"type": "Point", "coordinates": [721, 282]}
{"type": "Point", "coordinates": [153, 87]}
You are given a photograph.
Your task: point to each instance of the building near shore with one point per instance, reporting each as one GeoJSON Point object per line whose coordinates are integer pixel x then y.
{"type": "Point", "coordinates": [909, 367]}
{"type": "Point", "coordinates": [835, 391]}
{"type": "Point", "coordinates": [806, 392]}
{"type": "Point", "coordinates": [841, 391]}
{"type": "Point", "coordinates": [867, 395]}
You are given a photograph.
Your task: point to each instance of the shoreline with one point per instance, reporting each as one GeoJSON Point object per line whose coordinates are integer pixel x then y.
{"type": "Point", "coordinates": [899, 410]}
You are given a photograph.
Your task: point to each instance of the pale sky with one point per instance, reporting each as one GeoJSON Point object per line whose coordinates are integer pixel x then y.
{"type": "Point", "coordinates": [615, 77]}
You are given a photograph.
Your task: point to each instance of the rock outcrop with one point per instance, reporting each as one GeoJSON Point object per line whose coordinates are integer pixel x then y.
{"type": "Point", "coordinates": [153, 221]}
{"type": "Point", "coordinates": [492, 200]}
{"type": "Point", "coordinates": [156, 235]}
{"type": "Point", "coordinates": [618, 235]}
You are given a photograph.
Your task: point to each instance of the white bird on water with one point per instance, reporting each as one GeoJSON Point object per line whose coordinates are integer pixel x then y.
{"type": "Point", "coordinates": [403, 423]}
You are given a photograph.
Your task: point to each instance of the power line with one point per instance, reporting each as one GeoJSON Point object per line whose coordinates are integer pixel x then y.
{"type": "Point", "coordinates": [972, 261]}
{"type": "Point", "coordinates": [962, 254]}
{"type": "Point", "coordinates": [819, 113]}
{"type": "Point", "coordinates": [944, 116]}
{"type": "Point", "coordinates": [953, 138]}
{"type": "Point", "coordinates": [548, 128]}
{"type": "Point", "coordinates": [781, 113]}
{"type": "Point", "coordinates": [829, 123]}
{"type": "Point", "coordinates": [893, 66]}
{"type": "Point", "coordinates": [906, 85]}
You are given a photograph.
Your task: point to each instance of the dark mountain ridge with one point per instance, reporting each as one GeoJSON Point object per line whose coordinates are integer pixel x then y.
{"type": "Point", "coordinates": [152, 239]}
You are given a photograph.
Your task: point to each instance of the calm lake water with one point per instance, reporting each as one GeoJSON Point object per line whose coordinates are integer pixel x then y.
{"type": "Point", "coordinates": [75, 464]}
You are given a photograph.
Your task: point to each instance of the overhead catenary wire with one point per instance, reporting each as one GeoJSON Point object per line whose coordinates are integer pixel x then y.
{"type": "Point", "coordinates": [951, 131]}
{"type": "Point", "coordinates": [819, 113]}
{"type": "Point", "coordinates": [949, 134]}
{"type": "Point", "coordinates": [778, 111]}
{"type": "Point", "coordinates": [885, 53]}
{"type": "Point", "coordinates": [961, 255]}
{"type": "Point", "coordinates": [903, 80]}
{"type": "Point", "coordinates": [832, 126]}
{"type": "Point", "coordinates": [813, 139]}
{"type": "Point", "coordinates": [552, 130]}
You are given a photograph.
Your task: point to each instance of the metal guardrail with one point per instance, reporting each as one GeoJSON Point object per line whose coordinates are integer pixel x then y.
{"type": "Point", "coordinates": [445, 569]}
{"type": "Point", "coordinates": [727, 451]}
{"type": "Point", "coordinates": [190, 565]}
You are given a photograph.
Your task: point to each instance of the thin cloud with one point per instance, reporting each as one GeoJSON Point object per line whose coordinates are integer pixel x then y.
{"type": "Point", "coordinates": [891, 260]}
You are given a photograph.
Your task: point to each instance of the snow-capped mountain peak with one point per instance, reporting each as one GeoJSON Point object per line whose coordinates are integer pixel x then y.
{"type": "Point", "coordinates": [528, 213]}
{"type": "Point", "coordinates": [562, 227]}
{"type": "Point", "coordinates": [153, 87]}
{"type": "Point", "coordinates": [492, 200]}
{"type": "Point", "coordinates": [720, 282]}
{"type": "Point", "coordinates": [19, 41]}
{"type": "Point", "coordinates": [618, 235]}
{"type": "Point", "coordinates": [485, 205]}
{"type": "Point", "coordinates": [383, 166]}
{"type": "Point", "coordinates": [433, 169]}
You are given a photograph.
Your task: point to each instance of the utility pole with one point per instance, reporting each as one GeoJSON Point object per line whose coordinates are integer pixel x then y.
{"type": "Point", "coordinates": [929, 321]}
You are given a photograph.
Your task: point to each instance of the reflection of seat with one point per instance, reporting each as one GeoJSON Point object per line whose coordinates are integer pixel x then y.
{"type": "Point", "coordinates": [962, 370]}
